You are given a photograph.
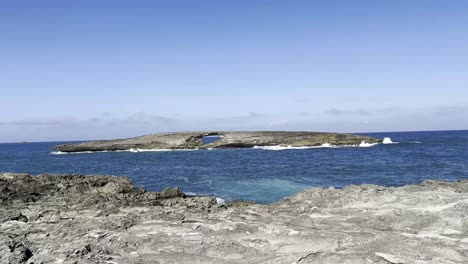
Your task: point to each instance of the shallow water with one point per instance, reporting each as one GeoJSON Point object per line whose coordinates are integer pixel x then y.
{"type": "Point", "coordinates": [259, 174]}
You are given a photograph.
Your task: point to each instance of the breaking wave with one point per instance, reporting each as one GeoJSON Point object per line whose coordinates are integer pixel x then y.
{"type": "Point", "coordinates": [125, 150]}
{"type": "Point", "coordinates": [388, 140]}
{"type": "Point", "coordinates": [159, 150]}
{"type": "Point", "coordinates": [81, 152]}
{"type": "Point", "coordinates": [363, 144]}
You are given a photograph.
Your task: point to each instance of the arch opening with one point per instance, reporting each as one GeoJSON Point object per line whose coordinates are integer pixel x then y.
{"type": "Point", "coordinates": [210, 139]}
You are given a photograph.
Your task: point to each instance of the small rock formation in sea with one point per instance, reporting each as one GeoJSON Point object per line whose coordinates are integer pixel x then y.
{"type": "Point", "coordinates": [194, 140]}
{"type": "Point", "coordinates": [104, 219]}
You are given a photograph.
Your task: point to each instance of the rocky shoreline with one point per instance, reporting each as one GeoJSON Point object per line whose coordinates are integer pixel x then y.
{"type": "Point", "coordinates": [105, 219]}
{"type": "Point", "coordinates": [194, 140]}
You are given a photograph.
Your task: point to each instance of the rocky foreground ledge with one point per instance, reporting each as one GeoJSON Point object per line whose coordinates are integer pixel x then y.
{"type": "Point", "coordinates": [194, 140]}
{"type": "Point", "coordinates": [104, 219]}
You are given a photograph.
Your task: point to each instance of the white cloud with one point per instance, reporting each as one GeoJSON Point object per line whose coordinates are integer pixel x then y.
{"type": "Point", "coordinates": [107, 126]}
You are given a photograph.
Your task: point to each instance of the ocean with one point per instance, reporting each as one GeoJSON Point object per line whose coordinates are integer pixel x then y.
{"type": "Point", "coordinates": [261, 175]}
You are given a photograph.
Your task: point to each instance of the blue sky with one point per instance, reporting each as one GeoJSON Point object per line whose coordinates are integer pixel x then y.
{"type": "Point", "coordinates": [73, 70]}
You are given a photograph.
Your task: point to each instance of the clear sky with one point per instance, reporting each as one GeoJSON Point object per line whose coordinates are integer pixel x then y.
{"type": "Point", "coordinates": [73, 70]}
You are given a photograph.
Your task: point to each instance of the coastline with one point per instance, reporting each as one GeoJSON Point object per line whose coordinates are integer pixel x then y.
{"type": "Point", "coordinates": [104, 219]}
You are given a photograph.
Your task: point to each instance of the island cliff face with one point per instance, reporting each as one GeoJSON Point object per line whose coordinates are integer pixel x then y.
{"type": "Point", "coordinates": [194, 140]}
{"type": "Point", "coordinates": [103, 219]}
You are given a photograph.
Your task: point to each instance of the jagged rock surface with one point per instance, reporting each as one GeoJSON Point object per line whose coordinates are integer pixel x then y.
{"type": "Point", "coordinates": [193, 140]}
{"type": "Point", "coordinates": [103, 219]}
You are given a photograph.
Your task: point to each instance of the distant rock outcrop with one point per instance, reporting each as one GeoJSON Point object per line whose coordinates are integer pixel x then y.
{"type": "Point", "coordinates": [194, 140]}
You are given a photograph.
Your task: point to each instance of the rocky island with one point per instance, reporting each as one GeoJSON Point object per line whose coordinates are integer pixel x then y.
{"type": "Point", "coordinates": [104, 219]}
{"type": "Point", "coordinates": [194, 140]}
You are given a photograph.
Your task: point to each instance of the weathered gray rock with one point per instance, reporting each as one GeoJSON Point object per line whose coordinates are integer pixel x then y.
{"type": "Point", "coordinates": [193, 140]}
{"type": "Point", "coordinates": [104, 219]}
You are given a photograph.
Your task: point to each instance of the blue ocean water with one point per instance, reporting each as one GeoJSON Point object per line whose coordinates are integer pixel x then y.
{"type": "Point", "coordinates": [261, 175]}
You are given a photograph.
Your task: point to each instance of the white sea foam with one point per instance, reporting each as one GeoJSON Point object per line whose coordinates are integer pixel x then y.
{"type": "Point", "coordinates": [415, 142]}
{"type": "Point", "coordinates": [387, 140]}
{"type": "Point", "coordinates": [77, 152]}
{"type": "Point", "coordinates": [366, 145]}
{"type": "Point", "coordinates": [363, 144]}
{"type": "Point", "coordinates": [220, 200]}
{"type": "Point", "coordinates": [122, 150]}
{"type": "Point", "coordinates": [88, 152]}
{"type": "Point", "coordinates": [282, 148]}
{"type": "Point", "coordinates": [149, 150]}
{"type": "Point", "coordinates": [58, 153]}
{"type": "Point", "coordinates": [186, 149]}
